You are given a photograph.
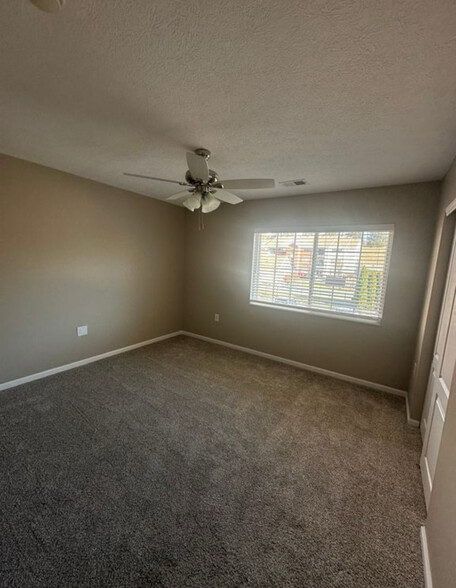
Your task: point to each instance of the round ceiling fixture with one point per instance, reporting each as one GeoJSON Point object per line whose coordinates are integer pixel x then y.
{"type": "Point", "coordinates": [49, 5]}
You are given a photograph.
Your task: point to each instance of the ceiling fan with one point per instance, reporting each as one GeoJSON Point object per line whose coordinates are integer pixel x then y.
{"type": "Point", "coordinates": [205, 190]}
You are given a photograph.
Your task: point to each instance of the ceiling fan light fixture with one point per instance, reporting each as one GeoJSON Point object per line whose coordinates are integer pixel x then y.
{"type": "Point", "coordinates": [192, 203]}
{"type": "Point", "coordinates": [210, 203]}
{"type": "Point", "coordinates": [204, 182]}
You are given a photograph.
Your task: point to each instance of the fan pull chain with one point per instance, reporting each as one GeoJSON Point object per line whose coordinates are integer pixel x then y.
{"type": "Point", "coordinates": [200, 219]}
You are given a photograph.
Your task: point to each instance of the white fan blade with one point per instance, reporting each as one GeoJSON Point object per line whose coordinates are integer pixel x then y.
{"type": "Point", "coordinates": [179, 195]}
{"type": "Point", "coordinates": [197, 166]}
{"type": "Point", "coordinates": [225, 196]}
{"type": "Point", "coordinates": [248, 184]}
{"type": "Point", "coordinates": [152, 178]}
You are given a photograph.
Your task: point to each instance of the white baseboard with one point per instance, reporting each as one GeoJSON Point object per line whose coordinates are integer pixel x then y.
{"type": "Point", "coordinates": [298, 364]}
{"type": "Point", "coordinates": [426, 561]}
{"type": "Point", "coordinates": [304, 366]}
{"type": "Point", "coordinates": [75, 364]}
{"type": "Point", "coordinates": [411, 422]}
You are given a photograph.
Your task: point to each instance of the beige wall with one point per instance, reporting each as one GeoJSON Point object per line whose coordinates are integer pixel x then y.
{"type": "Point", "coordinates": [76, 252]}
{"type": "Point", "coordinates": [218, 263]}
{"type": "Point", "coordinates": [433, 297]}
{"type": "Point", "coordinates": [441, 522]}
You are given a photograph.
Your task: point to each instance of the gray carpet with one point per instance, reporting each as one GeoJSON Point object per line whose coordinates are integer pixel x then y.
{"type": "Point", "coordinates": [185, 464]}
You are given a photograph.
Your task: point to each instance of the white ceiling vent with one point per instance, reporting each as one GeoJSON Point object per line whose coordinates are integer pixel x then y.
{"type": "Point", "coordinates": [293, 183]}
{"type": "Point", "coordinates": [49, 5]}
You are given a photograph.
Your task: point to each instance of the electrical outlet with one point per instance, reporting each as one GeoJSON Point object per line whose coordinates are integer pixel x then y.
{"type": "Point", "coordinates": [216, 317]}
{"type": "Point", "coordinates": [82, 331]}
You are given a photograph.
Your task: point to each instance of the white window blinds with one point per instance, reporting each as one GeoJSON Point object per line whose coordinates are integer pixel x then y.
{"type": "Point", "coordinates": [335, 272]}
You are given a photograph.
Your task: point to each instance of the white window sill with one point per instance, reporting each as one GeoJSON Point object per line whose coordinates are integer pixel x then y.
{"type": "Point", "coordinates": [333, 315]}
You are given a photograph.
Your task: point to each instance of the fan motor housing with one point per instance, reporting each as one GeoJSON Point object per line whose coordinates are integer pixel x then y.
{"type": "Point", "coordinates": [213, 178]}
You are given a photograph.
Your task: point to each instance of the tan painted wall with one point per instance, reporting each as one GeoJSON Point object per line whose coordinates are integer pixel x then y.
{"type": "Point", "coordinates": [218, 263]}
{"type": "Point", "coordinates": [76, 252]}
{"type": "Point", "coordinates": [441, 522]}
{"type": "Point", "coordinates": [433, 297]}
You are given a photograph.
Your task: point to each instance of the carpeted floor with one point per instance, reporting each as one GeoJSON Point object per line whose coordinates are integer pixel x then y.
{"type": "Point", "coordinates": [185, 464]}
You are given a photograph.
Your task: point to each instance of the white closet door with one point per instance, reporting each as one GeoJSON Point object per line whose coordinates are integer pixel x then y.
{"type": "Point", "coordinates": [442, 370]}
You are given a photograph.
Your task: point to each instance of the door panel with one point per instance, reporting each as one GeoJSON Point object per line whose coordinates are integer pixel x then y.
{"type": "Point", "coordinates": [449, 354]}
{"type": "Point", "coordinates": [438, 418]}
{"type": "Point", "coordinates": [443, 367]}
{"type": "Point", "coordinates": [427, 404]}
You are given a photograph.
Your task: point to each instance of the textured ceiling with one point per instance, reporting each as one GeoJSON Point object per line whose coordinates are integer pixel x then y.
{"type": "Point", "coordinates": [345, 94]}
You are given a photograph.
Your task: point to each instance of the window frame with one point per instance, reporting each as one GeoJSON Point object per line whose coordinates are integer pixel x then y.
{"type": "Point", "coordinates": [321, 312]}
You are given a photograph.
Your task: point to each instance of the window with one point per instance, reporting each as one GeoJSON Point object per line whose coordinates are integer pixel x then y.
{"type": "Point", "coordinates": [333, 272]}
